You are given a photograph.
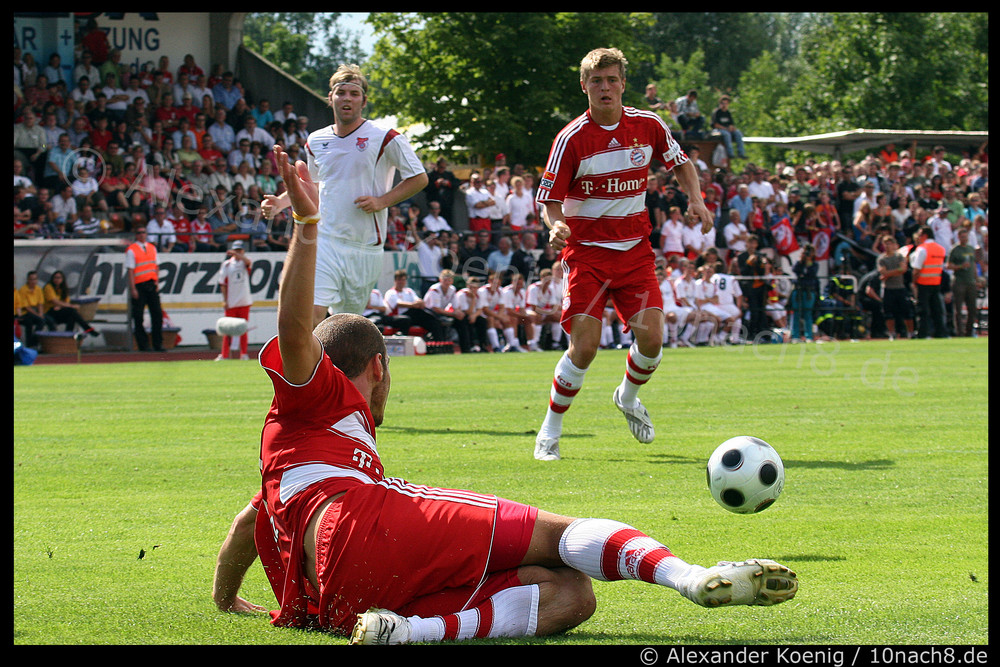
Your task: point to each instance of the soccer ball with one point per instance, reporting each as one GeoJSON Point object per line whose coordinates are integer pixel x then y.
{"type": "Point", "coordinates": [745, 475]}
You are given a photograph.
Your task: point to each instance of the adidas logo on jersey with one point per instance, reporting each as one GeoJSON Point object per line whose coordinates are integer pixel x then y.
{"type": "Point", "coordinates": [614, 143]}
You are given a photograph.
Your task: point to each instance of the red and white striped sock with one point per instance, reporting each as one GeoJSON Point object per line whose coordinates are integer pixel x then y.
{"type": "Point", "coordinates": [638, 369]}
{"type": "Point", "coordinates": [566, 383]}
{"type": "Point", "coordinates": [611, 551]}
{"type": "Point", "coordinates": [512, 612]}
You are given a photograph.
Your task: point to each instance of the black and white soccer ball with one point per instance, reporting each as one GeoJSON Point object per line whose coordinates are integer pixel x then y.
{"type": "Point", "coordinates": [745, 475]}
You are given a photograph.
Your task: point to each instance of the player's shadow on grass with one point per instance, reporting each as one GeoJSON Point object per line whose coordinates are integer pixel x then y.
{"type": "Point", "coordinates": [872, 464]}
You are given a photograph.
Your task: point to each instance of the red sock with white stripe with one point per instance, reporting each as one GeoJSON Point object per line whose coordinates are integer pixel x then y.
{"type": "Point", "coordinates": [610, 551]}
{"type": "Point", "coordinates": [566, 384]}
{"type": "Point", "coordinates": [638, 369]}
{"type": "Point", "coordinates": [512, 612]}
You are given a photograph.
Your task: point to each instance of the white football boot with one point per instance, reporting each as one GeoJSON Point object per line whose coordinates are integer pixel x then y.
{"type": "Point", "coordinates": [546, 449]}
{"type": "Point", "coordinates": [638, 419]}
{"type": "Point", "coordinates": [756, 581]}
{"type": "Point", "coordinates": [380, 627]}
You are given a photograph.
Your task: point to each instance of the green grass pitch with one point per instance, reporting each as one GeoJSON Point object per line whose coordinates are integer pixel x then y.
{"type": "Point", "coordinates": [126, 477]}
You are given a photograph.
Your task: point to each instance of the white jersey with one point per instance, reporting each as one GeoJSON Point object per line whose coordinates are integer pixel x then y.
{"type": "Point", "coordinates": [375, 300]}
{"type": "Point", "coordinates": [692, 236]}
{"type": "Point", "coordinates": [438, 297]}
{"type": "Point", "coordinates": [393, 297]}
{"type": "Point", "coordinates": [513, 298]}
{"type": "Point", "coordinates": [235, 276]}
{"type": "Point", "coordinates": [465, 299]}
{"type": "Point", "coordinates": [543, 299]}
{"type": "Point", "coordinates": [363, 163]}
{"type": "Point", "coordinates": [686, 291]}
{"type": "Point", "coordinates": [667, 291]}
{"type": "Point", "coordinates": [519, 206]}
{"type": "Point", "coordinates": [727, 288]}
{"type": "Point", "coordinates": [490, 301]}
{"type": "Point", "coordinates": [672, 234]}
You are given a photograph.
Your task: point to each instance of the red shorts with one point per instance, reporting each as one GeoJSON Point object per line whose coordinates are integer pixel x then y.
{"type": "Point", "coordinates": [480, 224]}
{"type": "Point", "coordinates": [416, 550]}
{"type": "Point", "coordinates": [595, 274]}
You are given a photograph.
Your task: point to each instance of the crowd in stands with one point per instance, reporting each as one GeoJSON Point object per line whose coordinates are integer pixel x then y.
{"type": "Point", "coordinates": [188, 154]}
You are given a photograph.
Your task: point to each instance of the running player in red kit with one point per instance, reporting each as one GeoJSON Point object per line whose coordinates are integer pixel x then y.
{"type": "Point", "coordinates": [342, 544]}
{"type": "Point", "coordinates": [593, 194]}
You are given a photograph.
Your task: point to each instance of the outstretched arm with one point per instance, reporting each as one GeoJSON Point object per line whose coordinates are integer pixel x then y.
{"type": "Point", "coordinates": [300, 349]}
{"type": "Point", "coordinates": [237, 554]}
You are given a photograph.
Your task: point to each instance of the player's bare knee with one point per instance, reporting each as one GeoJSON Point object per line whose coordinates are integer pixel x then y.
{"type": "Point", "coordinates": [566, 598]}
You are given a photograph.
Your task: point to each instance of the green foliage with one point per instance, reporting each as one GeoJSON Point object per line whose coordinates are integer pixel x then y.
{"type": "Point", "coordinates": [490, 82]}
{"type": "Point", "coordinates": [306, 45]}
{"type": "Point", "coordinates": [126, 478]}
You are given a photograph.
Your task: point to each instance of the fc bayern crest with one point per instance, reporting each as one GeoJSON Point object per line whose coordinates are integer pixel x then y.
{"type": "Point", "coordinates": [362, 143]}
{"type": "Point", "coordinates": [637, 157]}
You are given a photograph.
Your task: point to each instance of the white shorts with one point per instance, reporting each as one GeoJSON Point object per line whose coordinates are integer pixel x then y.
{"type": "Point", "coordinates": [345, 276]}
{"type": "Point", "coordinates": [682, 312]}
{"type": "Point", "coordinates": [720, 312]}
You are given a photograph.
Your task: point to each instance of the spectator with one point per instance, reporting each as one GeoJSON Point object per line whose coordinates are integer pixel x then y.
{"type": "Point", "coordinates": [160, 231]}
{"type": "Point", "coordinates": [222, 132]}
{"type": "Point", "coordinates": [178, 218]}
{"type": "Point", "coordinates": [723, 123]}
{"type": "Point", "coordinates": [965, 287]}
{"type": "Point", "coordinates": [86, 68]}
{"type": "Point", "coordinates": [201, 229]}
{"type": "Point", "coordinates": [672, 233]}
{"type": "Point", "coordinates": [59, 309]}
{"type": "Point", "coordinates": [803, 298]}
{"type": "Point", "coordinates": [64, 213]}
{"type": "Point", "coordinates": [226, 93]}
{"type": "Point", "coordinates": [689, 116]}
{"type": "Point", "coordinates": [742, 203]}
{"type": "Point", "coordinates": [31, 299]}
{"type": "Point", "coordinates": [478, 203]}
{"type": "Point", "coordinates": [429, 252]}
{"type": "Point", "coordinates": [434, 221]}
{"type": "Point", "coordinates": [895, 297]}
{"type": "Point", "coordinates": [253, 132]}
{"type": "Point", "coordinates": [736, 233]}
{"type": "Point", "coordinates": [442, 186]}
{"type": "Point", "coordinates": [87, 225]}
{"type": "Point", "coordinates": [500, 260]}
{"type": "Point", "coordinates": [761, 189]}
{"type": "Point", "coordinates": [53, 72]}
{"type": "Point", "coordinates": [30, 142]}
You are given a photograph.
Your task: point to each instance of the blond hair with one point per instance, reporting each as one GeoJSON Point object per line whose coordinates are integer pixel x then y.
{"type": "Point", "coordinates": [349, 74]}
{"type": "Point", "coordinates": [600, 59]}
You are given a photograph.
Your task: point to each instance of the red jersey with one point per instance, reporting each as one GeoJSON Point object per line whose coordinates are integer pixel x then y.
{"type": "Point", "coordinates": [318, 440]}
{"type": "Point", "coordinates": [599, 175]}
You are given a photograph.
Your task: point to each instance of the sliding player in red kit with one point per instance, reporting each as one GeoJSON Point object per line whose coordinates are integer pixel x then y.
{"type": "Point", "coordinates": [342, 544]}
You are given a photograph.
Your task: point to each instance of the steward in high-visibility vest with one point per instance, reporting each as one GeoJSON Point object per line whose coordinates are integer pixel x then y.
{"type": "Point", "coordinates": [144, 291]}
{"type": "Point", "coordinates": [933, 263]}
{"type": "Point", "coordinates": [927, 260]}
{"type": "Point", "coordinates": [145, 261]}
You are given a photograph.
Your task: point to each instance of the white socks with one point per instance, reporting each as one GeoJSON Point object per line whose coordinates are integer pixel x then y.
{"type": "Point", "coordinates": [512, 612]}
{"type": "Point", "coordinates": [609, 550]}
{"type": "Point", "coordinates": [638, 369]}
{"type": "Point", "coordinates": [566, 384]}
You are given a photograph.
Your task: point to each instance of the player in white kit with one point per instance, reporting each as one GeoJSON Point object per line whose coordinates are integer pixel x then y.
{"type": "Point", "coordinates": [352, 164]}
